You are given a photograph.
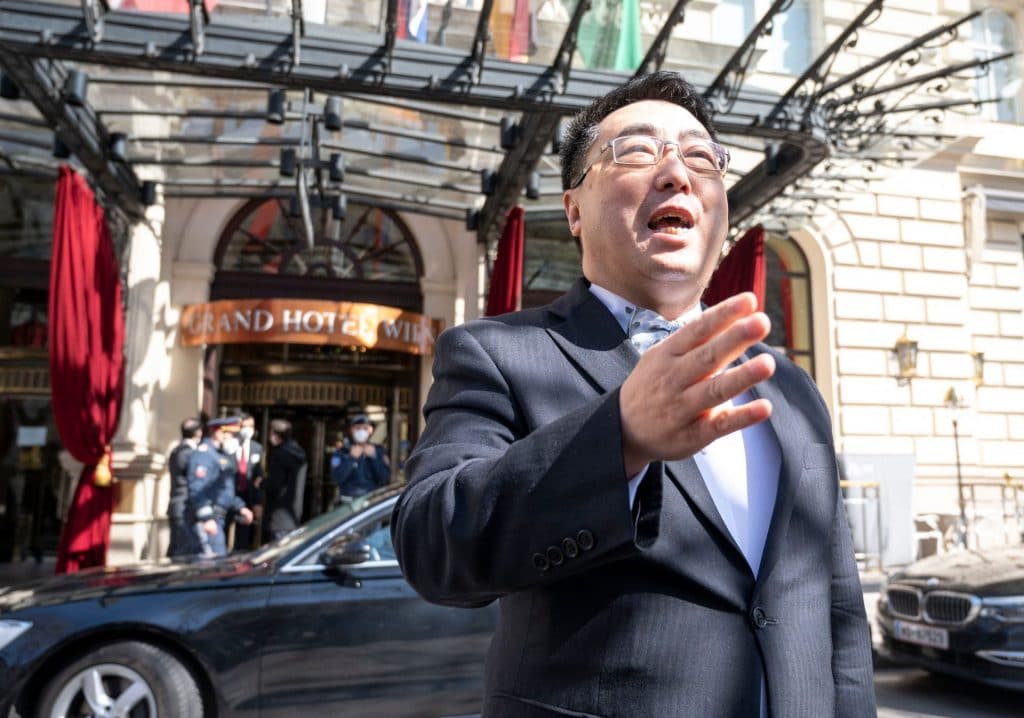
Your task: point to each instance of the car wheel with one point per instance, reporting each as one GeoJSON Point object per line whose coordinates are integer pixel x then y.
{"type": "Point", "coordinates": [122, 680]}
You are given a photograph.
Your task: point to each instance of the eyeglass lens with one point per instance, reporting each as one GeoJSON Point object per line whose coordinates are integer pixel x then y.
{"type": "Point", "coordinates": [699, 155]}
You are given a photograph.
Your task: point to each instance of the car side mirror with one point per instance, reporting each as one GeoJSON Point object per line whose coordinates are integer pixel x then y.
{"type": "Point", "coordinates": [349, 553]}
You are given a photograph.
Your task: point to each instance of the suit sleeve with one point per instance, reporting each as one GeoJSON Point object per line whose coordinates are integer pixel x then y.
{"type": "Point", "coordinates": [852, 668]}
{"type": "Point", "coordinates": [489, 496]}
{"type": "Point", "coordinates": [852, 665]}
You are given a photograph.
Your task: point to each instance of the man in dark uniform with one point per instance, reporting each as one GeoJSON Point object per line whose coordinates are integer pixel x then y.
{"type": "Point", "coordinates": [248, 484]}
{"type": "Point", "coordinates": [361, 466]}
{"type": "Point", "coordinates": [211, 486]}
{"type": "Point", "coordinates": [285, 482]}
{"type": "Point", "coordinates": [181, 541]}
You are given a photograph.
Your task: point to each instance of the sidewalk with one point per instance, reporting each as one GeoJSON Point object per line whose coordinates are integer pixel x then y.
{"type": "Point", "coordinates": [14, 572]}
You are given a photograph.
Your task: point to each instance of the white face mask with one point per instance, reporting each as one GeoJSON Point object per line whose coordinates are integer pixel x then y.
{"type": "Point", "coordinates": [229, 445]}
{"type": "Point", "coordinates": [360, 436]}
{"type": "Point", "coordinates": [247, 433]}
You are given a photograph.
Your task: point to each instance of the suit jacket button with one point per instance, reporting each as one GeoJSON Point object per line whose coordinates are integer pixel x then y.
{"type": "Point", "coordinates": [555, 556]}
{"type": "Point", "coordinates": [585, 540]}
{"type": "Point", "coordinates": [540, 562]}
{"type": "Point", "coordinates": [570, 548]}
{"type": "Point", "coordinates": [758, 617]}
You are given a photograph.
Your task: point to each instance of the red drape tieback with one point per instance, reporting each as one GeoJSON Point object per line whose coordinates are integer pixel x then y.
{"type": "Point", "coordinates": [103, 474]}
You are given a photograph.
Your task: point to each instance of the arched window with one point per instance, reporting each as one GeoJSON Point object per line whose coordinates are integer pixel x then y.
{"type": "Point", "coordinates": [370, 256]}
{"type": "Point", "coordinates": [993, 33]}
{"type": "Point", "coordinates": [370, 244]}
{"type": "Point", "coordinates": [788, 300]}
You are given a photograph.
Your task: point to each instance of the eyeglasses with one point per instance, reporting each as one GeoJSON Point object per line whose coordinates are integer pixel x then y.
{"type": "Point", "coordinates": [700, 155]}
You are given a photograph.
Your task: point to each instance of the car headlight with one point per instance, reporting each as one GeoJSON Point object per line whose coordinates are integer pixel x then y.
{"type": "Point", "coordinates": [1004, 608]}
{"type": "Point", "coordinates": [11, 629]}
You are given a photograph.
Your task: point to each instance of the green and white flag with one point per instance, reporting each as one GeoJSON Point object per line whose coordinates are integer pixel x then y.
{"type": "Point", "coordinates": [609, 37]}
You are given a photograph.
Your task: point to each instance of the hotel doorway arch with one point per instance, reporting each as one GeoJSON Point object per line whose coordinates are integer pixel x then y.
{"type": "Point", "coordinates": [364, 265]}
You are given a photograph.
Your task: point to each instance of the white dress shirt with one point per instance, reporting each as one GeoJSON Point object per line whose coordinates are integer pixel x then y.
{"type": "Point", "coordinates": [740, 470]}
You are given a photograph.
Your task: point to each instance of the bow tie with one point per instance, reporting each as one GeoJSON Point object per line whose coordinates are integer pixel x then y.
{"type": "Point", "coordinates": [647, 328]}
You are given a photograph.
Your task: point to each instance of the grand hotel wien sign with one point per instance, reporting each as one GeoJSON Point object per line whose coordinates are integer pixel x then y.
{"type": "Point", "coordinates": [308, 321]}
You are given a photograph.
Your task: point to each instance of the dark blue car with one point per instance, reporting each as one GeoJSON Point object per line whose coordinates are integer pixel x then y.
{"type": "Point", "coordinates": [319, 623]}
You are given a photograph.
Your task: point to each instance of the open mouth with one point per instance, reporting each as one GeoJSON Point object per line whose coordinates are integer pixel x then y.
{"type": "Point", "coordinates": [671, 223]}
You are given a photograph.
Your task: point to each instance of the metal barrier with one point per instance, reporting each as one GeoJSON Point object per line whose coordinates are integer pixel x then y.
{"type": "Point", "coordinates": [997, 517]}
{"type": "Point", "coordinates": [862, 500]}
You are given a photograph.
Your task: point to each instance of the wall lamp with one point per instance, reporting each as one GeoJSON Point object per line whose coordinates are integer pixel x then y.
{"type": "Point", "coordinates": [906, 358]}
{"type": "Point", "coordinates": [978, 359]}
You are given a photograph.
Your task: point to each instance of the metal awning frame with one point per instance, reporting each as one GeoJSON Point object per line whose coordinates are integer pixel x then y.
{"type": "Point", "coordinates": [815, 118]}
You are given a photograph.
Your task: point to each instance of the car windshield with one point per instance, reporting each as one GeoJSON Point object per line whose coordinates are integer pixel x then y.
{"type": "Point", "coordinates": [318, 526]}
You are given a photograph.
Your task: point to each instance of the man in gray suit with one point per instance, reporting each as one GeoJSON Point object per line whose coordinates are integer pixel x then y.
{"type": "Point", "coordinates": [658, 510]}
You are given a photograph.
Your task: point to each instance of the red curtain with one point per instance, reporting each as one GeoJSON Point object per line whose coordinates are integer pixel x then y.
{"type": "Point", "coordinates": [86, 335]}
{"type": "Point", "coordinates": [742, 270]}
{"type": "Point", "coordinates": [507, 275]}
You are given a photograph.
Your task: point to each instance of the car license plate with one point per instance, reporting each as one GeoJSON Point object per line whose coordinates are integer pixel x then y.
{"type": "Point", "coordinates": [922, 635]}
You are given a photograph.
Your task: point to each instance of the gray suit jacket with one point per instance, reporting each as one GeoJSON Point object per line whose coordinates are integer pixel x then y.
{"type": "Point", "coordinates": [517, 490]}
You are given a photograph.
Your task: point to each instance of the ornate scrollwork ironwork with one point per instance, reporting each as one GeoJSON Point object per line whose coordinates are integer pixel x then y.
{"type": "Point", "coordinates": [722, 93]}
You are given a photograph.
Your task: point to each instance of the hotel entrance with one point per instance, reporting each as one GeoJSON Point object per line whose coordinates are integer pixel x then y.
{"type": "Point", "coordinates": [318, 389]}
{"type": "Point", "coordinates": [314, 328]}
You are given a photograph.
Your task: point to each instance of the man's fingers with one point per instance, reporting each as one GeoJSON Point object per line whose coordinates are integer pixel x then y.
{"type": "Point", "coordinates": [715, 354]}
{"type": "Point", "coordinates": [722, 387]}
{"type": "Point", "coordinates": [726, 419]}
{"type": "Point", "coordinates": [711, 323]}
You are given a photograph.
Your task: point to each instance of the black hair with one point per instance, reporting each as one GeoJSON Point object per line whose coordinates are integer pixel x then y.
{"type": "Point", "coordinates": [281, 428]}
{"type": "Point", "coordinates": [581, 131]}
{"type": "Point", "coordinates": [190, 427]}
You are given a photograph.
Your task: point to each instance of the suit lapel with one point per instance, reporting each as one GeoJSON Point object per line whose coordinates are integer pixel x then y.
{"type": "Point", "coordinates": [592, 339]}
{"type": "Point", "coordinates": [594, 342]}
{"type": "Point", "coordinates": [792, 438]}
{"type": "Point", "coordinates": [687, 477]}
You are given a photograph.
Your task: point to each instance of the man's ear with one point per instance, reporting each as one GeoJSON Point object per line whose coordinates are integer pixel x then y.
{"type": "Point", "coordinates": [572, 212]}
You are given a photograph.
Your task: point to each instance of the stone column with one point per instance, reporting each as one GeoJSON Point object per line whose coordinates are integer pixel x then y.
{"type": "Point", "coordinates": [138, 463]}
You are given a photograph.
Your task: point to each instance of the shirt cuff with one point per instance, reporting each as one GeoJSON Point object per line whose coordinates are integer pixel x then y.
{"type": "Point", "coordinates": [634, 484]}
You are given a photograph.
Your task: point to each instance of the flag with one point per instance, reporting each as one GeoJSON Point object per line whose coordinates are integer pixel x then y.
{"type": "Point", "coordinates": [412, 20]}
{"type": "Point", "coordinates": [511, 30]}
{"type": "Point", "coordinates": [609, 37]}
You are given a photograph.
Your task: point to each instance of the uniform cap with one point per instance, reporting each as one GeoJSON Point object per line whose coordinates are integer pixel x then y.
{"type": "Point", "coordinates": [360, 419]}
{"type": "Point", "coordinates": [225, 423]}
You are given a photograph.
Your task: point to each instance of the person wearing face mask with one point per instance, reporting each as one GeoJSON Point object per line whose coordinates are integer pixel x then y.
{"type": "Point", "coordinates": [361, 466]}
{"type": "Point", "coordinates": [211, 486]}
{"type": "Point", "coordinates": [249, 482]}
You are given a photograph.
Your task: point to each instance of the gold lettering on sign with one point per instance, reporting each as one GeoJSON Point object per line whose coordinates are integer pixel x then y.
{"type": "Point", "coordinates": [307, 321]}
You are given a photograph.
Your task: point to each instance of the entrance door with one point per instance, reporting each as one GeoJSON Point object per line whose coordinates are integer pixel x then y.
{"type": "Point", "coordinates": [320, 432]}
